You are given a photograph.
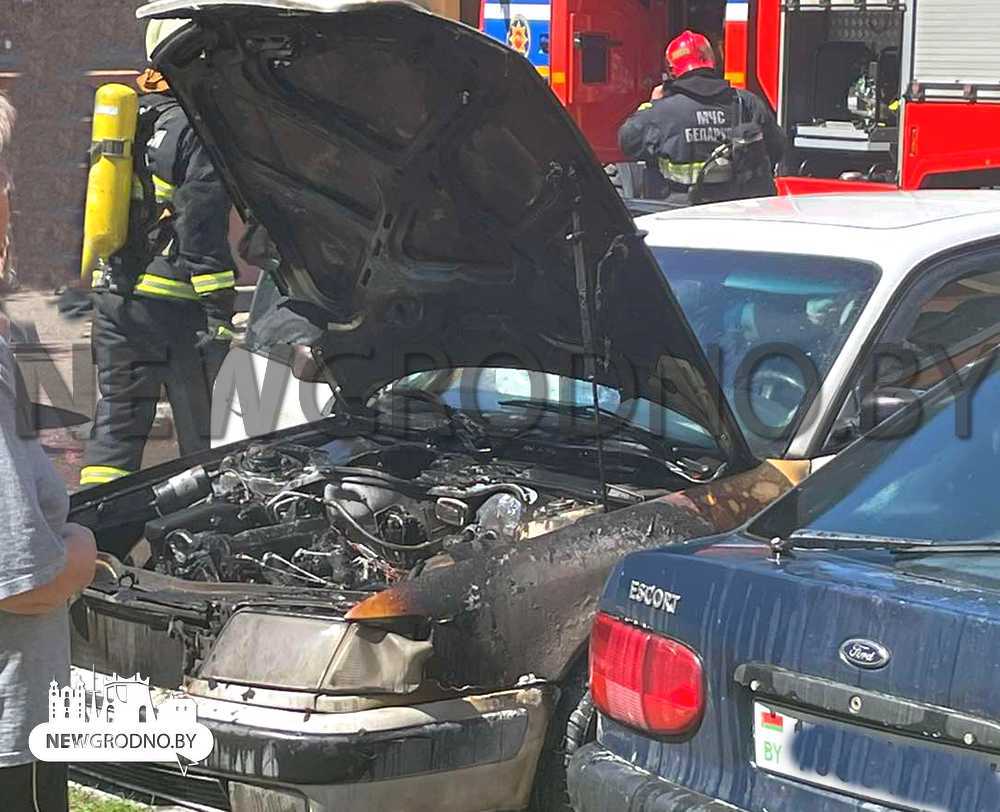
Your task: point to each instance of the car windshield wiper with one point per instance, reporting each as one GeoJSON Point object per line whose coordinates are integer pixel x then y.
{"type": "Point", "coordinates": [573, 410]}
{"type": "Point", "coordinates": [470, 432]}
{"type": "Point", "coordinates": [809, 539]}
{"type": "Point", "coordinates": [692, 470]}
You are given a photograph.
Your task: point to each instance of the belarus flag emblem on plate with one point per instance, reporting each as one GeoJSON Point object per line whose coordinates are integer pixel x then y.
{"type": "Point", "coordinates": [772, 721]}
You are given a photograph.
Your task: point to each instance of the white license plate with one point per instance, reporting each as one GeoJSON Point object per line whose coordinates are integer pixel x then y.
{"type": "Point", "coordinates": [812, 753]}
{"type": "Point", "coordinates": [776, 750]}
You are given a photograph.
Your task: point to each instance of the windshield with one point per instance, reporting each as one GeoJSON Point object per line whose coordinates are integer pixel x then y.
{"type": "Point", "coordinates": [931, 483]}
{"type": "Point", "coordinates": [502, 391]}
{"type": "Point", "coordinates": [771, 326]}
{"type": "Point", "coordinates": [272, 330]}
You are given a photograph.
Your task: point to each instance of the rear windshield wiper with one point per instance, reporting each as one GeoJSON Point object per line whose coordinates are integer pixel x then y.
{"type": "Point", "coordinates": [807, 539]}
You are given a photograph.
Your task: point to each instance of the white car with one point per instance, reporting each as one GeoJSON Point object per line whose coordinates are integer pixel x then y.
{"type": "Point", "coordinates": [810, 290]}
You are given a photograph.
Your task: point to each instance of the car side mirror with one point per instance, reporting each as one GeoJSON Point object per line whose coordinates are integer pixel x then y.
{"type": "Point", "coordinates": [847, 426]}
{"type": "Point", "coordinates": [860, 415]}
{"type": "Point", "coordinates": [883, 403]}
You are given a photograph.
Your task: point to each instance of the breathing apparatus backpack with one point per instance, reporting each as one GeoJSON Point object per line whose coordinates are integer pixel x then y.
{"type": "Point", "coordinates": [122, 215]}
{"type": "Point", "coordinates": [737, 162]}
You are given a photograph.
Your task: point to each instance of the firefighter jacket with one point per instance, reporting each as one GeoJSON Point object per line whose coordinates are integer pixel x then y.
{"type": "Point", "coordinates": [699, 113]}
{"type": "Point", "coordinates": [178, 246]}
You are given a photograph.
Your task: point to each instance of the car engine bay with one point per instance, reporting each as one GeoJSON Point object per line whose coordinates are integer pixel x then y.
{"type": "Point", "coordinates": [284, 514]}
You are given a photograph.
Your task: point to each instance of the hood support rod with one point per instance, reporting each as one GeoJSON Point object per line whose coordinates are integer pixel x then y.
{"type": "Point", "coordinates": [341, 407]}
{"type": "Point", "coordinates": [585, 298]}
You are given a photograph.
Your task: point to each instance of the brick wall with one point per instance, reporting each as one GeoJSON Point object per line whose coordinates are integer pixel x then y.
{"type": "Point", "coordinates": [53, 53]}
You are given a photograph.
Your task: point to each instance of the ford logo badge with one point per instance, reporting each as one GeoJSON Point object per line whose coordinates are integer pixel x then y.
{"type": "Point", "coordinates": [865, 654]}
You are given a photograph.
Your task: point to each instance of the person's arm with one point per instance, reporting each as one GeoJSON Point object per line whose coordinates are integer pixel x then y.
{"type": "Point", "coordinates": [43, 560]}
{"type": "Point", "coordinates": [639, 136]}
{"type": "Point", "coordinates": [774, 137]}
{"type": "Point", "coordinates": [76, 573]}
{"type": "Point", "coordinates": [201, 224]}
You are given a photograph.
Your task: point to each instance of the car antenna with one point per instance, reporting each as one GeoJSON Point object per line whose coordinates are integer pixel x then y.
{"type": "Point", "coordinates": [585, 297]}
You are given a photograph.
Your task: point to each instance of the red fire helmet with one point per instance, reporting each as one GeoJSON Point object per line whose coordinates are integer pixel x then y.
{"type": "Point", "coordinates": [689, 51]}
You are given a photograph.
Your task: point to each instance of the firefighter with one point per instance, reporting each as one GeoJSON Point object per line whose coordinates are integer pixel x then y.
{"type": "Point", "coordinates": [163, 305]}
{"type": "Point", "coordinates": [710, 141]}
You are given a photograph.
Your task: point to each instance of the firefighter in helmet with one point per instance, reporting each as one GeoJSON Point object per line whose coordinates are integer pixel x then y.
{"type": "Point", "coordinates": [163, 304]}
{"type": "Point", "coordinates": [710, 141]}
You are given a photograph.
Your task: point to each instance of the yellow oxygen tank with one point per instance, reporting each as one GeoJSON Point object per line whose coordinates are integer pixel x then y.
{"type": "Point", "coordinates": [109, 184]}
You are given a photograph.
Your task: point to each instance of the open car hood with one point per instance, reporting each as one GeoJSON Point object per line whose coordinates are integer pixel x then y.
{"type": "Point", "coordinates": [420, 181]}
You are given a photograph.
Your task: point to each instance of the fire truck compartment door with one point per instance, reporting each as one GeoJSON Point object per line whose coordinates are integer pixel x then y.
{"type": "Point", "coordinates": [955, 47]}
{"type": "Point", "coordinates": [609, 55]}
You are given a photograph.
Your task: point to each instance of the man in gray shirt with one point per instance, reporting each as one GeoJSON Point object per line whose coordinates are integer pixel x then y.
{"type": "Point", "coordinates": [44, 560]}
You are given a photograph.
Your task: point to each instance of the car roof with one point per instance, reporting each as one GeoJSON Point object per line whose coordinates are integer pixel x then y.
{"type": "Point", "coordinates": [895, 230]}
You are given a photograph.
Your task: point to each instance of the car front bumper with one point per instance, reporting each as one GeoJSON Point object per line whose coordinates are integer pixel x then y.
{"type": "Point", "coordinates": [456, 755]}
{"type": "Point", "coordinates": [599, 781]}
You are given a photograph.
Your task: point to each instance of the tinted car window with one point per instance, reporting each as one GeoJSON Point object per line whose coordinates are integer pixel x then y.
{"type": "Point", "coordinates": [771, 325]}
{"type": "Point", "coordinates": [956, 321]}
{"type": "Point", "coordinates": [932, 483]}
{"type": "Point", "coordinates": [959, 312]}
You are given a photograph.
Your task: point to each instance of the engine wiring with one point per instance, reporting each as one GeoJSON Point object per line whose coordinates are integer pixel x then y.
{"type": "Point", "coordinates": [334, 502]}
{"type": "Point", "coordinates": [286, 516]}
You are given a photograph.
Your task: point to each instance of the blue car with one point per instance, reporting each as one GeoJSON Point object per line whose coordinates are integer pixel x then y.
{"type": "Point", "coordinates": [840, 652]}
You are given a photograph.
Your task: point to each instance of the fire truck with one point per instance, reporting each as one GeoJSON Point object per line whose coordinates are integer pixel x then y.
{"type": "Point", "coordinates": [872, 94]}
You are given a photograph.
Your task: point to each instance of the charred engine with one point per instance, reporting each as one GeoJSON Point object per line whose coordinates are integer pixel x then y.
{"type": "Point", "coordinates": [282, 514]}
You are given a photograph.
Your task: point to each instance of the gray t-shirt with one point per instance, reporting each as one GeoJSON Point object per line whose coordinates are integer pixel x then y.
{"type": "Point", "coordinates": [34, 649]}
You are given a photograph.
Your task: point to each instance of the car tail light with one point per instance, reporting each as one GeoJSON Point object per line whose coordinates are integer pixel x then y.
{"type": "Point", "coordinates": [644, 680]}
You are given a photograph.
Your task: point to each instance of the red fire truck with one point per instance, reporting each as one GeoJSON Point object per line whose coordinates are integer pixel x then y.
{"type": "Point", "coordinates": [873, 94]}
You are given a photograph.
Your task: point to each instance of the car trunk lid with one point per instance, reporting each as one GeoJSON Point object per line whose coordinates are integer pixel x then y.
{"type": "Point", "coordinates": [824, 672]}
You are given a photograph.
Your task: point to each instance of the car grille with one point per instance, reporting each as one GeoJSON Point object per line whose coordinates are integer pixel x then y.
{"type": "Point", "coordinates": [195, 791]}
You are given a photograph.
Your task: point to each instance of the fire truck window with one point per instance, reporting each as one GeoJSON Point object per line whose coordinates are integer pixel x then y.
{"type": "Point", "coordinates": [593, 58]}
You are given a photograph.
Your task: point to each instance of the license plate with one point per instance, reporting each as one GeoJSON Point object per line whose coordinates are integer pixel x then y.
{"type": "Point", "coordinates": [866, 764]}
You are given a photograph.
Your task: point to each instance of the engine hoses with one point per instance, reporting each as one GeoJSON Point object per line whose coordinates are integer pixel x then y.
{"type": "Point", "coordinates": [332, 502]}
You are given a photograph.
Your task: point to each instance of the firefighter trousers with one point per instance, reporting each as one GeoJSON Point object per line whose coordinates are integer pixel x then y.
{"type": "Point", "coordinates": [140, 347]}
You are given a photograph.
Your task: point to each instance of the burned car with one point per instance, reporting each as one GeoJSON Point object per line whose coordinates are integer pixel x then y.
{"type": "Point", "coordinates": [389, 608]}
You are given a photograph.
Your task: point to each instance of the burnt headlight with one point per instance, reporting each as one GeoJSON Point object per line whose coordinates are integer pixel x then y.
{"type": "Point", "coordinates": [314, 653]}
